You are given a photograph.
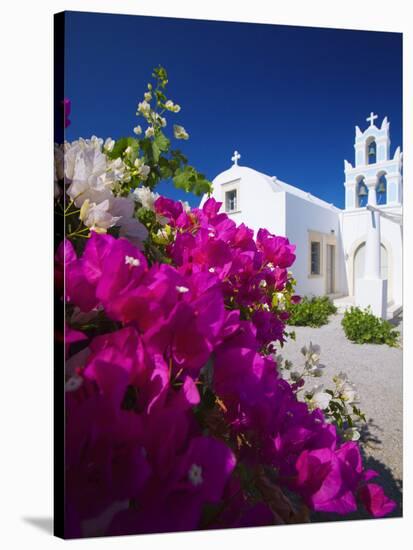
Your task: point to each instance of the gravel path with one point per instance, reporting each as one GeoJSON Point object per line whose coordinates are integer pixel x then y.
{"type": "Point", "coordinates": [376, 370]}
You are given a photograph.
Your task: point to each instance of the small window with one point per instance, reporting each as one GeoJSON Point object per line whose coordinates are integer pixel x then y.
{"type": "Point", "coordinates": [315, 257]}
{"type": "Point", "coordinates": [231, 201]}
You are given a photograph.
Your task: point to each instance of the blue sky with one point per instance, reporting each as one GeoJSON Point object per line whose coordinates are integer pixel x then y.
{"type": "Point", "coordinates": [287, 98]}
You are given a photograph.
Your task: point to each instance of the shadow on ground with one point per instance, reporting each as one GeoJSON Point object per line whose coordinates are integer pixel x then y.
{"type": "Point", "coordinates": [368, 434]}
{"type": "Point", "coordinates": [44, 524]}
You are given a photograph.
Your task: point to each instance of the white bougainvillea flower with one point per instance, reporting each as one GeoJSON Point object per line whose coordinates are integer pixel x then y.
{"type": "Point", "coordinates": [351, 434]}
{"type": "Point", "coordinates": [346, 389]}
{"type": "Point", "coordinates": [144, 108]}
{"type": "Point", "coordinates": [97, 216]}
{"type": "Point", "coordinates": [121, 207]}
{"type": "Point", "coordinates": [109, 144]}
{"type": "Point", "coordinates": [318, 398]}
{"type": "Point", "coordinates": [116, 171]}
{"type": "Point", "coordinates": [133, 230]}
{"type": "Point", "coordinates": [312, 363]}
{"type": "Point", "coordinates": [186, 206]}
{"type": "Point", "coordinates": [85, 169]}
{"type": "Point", "coordinates": [89, 150]}
{"type": "Point", "coordinates": [348, 393]}
{"type": "Point", "coordinates": [143, 169]}
{"type": "Point", "coordinates": [59, 170]}
{"type": "Point", "coordinates": [312, 353]}
{"type": "Point", "coordinates": [180, 132]}
{"type": "Point", "coordinates": [146, 197]}
{"type": "Point", "coordinates": [175, 108]}
{"type": "Point", "coordinates": [149, 132]}
{"type": "Point", "coordinates": [147, 96]}
{"type": "Point", "coordinates": [137, 130]}
{"type": "Point", "coordinates": [340, 378]}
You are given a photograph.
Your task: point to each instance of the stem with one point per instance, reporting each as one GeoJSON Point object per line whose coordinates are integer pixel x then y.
{"type": "Point", "coordinates": [78, 233]}
{"type": "Point", "coordinates": [71, 213]}
{"type": "Point", "coordinates": [69, 205]}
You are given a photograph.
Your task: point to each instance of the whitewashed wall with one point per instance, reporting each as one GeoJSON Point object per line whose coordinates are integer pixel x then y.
{"type": "Point", "coordinates": [354, 231]}
{"type": "Point", "coordinates": [303, 216]}
{"type": "Point", "coordinates": [259, 204]}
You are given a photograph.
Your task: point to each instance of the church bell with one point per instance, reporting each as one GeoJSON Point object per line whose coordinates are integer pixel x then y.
{"type": "Point", "coordinates": [381, 188]}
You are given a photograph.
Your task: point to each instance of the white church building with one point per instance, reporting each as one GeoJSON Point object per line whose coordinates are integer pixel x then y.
{"type": "Point", "coordinates": [353, 255]}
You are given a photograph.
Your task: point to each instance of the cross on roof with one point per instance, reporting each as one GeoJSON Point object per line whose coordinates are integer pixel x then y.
{"type": "Point", "coordinates": [236, 158]}
{"type": "Point", "coordinates": [372, 118]}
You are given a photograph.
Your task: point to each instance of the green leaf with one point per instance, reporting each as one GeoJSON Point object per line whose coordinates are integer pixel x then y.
{"type": "Point", "coordinates": [191, 181]}
{"type": "Point", "coordinates": [162, 142]}
{"type": "Point", "coordinates": [179, 156]}
{"type": "Point", "coordinates": [120, 146]}
{"type": "Point", "coordinates": [184, 178]}
{"type": "Point", "coordinates": [155, 152]}
{"type": "Point", "coordinates": [166, 167]}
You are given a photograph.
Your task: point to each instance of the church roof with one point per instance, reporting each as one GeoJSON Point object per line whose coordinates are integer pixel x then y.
{"type": "Point", "coordinates": [243, 172]}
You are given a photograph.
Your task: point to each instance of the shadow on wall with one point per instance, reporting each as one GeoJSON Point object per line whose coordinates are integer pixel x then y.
{"type": "Point", "coordinates": [396, 320]}
{"type": "Point", "coordinates": [43, 524]}
{"type": "Point", "coordinates": [342, 279]}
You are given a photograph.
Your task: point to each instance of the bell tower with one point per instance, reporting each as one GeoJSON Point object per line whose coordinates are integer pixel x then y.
{"type": "Point", "coordinates": [375, 178]}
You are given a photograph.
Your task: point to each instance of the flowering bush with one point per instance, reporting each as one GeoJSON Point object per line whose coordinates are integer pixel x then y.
{"type": "Point", "coordinates": [177, 417]}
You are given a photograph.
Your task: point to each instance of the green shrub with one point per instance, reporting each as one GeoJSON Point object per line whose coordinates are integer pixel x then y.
{"type": "Point", "coordinates": [362, 327]}
{"type": "Point", "coordinates": [311, 312]}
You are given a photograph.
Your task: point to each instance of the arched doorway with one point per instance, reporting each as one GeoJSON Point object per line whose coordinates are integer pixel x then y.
{"type": "Point", "coordinates": [359, 263]}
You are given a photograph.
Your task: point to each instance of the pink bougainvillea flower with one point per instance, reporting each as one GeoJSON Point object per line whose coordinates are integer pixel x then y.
{"type": "Point", "coordinates": [168, 208]}
{"type": "Point", "coordinates": [72, 336]}
{"type": "Point", "coordinates": [204, 469]}
{"type": "Point", "coordinates": [330, 479]}
{"type": "Point", "coordinates": [119, 361]}
{"type": "Point", "coordinates": [375, 500]}
{"type": "Point", "coordinates": [65, 256]}
{"type": "Point", "coordinates": [199, 478]}
{"type": "Point", "coordinates": [177, 342]}
{"type": "Point", "coordinates": [277, 250]}
{"type": "Point", "coordinates": [269, 327]}
{"type": "Point", "coordinates": [82, 274]}
{"type": "Point", "coordinates": [320, 480]}
{"type": "Point", "coordinates": [122, 271]}
{"type": "Point", "coordinates": [108, 471]}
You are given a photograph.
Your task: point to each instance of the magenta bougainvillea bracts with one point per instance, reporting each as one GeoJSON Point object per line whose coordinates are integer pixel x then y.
{"type": "Point", "coordinates": [176, 415]}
